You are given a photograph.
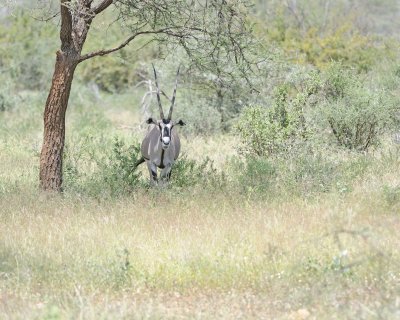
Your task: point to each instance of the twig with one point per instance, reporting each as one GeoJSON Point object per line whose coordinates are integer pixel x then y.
{"type": "Point", "coordinates": [124, 44]}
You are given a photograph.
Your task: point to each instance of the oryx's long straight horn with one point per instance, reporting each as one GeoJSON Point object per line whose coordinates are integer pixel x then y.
{"type": "Point", "coordinates": [173, 97]}
{"type": "Point", "coordinates": [158, 94]}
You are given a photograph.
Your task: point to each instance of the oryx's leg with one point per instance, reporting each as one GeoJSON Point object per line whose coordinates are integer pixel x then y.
{"type": "Point", "coordinates": [153, 172]}
{"type": "Point", "coordinates": [165, 173]}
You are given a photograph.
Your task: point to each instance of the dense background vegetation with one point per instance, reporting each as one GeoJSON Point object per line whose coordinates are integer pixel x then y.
{"type": "Point", "coordinates": [306, 148]}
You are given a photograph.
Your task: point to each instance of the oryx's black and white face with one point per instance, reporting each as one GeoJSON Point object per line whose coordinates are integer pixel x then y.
{"type": "Point", "coordinates": [165, 127]}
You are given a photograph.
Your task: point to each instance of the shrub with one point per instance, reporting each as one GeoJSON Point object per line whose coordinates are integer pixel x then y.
{"type": "Point", "coordinates": [301, 172]}
{"type": "Point", "coordinates": [100, 166]}
{"type": "Point", "coordinates": [187, 172]}
{"type": "Point", "coordinates": [110, 171]}
{"type": "Point", "coordinates": [357, 115]}
{"type": "Point", "coordinates": [266, 131]}
{"type": "Point", "coordinates": [338, 101]}
{"type": "Point", "coordinates": [120, 169]}
{"type": "Point", "coordinates": [255, 174]}
{"type": "Point", "coordinates": [307, 173]}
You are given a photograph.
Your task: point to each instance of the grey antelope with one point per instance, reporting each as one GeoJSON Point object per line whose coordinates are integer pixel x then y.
{"type": "Point", "coordinates": [161, 145]}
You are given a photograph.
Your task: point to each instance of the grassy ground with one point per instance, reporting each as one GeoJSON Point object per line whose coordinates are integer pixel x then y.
{"type": "Point", "coordinates": [197, 252]}
{"type": "Point", "coordinates": [160, 255]}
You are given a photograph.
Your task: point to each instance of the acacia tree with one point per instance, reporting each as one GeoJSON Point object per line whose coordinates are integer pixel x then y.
{"type": "Point", "coordinates": [192, 24]}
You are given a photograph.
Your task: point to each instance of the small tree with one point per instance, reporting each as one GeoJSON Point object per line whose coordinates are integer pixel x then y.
{"type": "Point", "coordinates": [200, 27]}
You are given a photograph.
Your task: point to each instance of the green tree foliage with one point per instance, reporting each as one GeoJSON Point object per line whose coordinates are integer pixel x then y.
{"type": "Point", "coordinates": [119, 71]}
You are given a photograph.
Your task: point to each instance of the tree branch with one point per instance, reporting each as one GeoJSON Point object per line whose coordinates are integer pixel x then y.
{"type": "Point", "coordinates": [43, 19]}
{"type": "Point", "coordinates": [124, 44]}
{"type": "Point", "coordinates": [102, 6]}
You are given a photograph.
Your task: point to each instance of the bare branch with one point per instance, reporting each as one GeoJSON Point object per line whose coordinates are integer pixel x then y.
{"type": "Point", "coordinates": [102, 6]}
{"type": "Point", "coordinates": [124, 44]}
{"type": "Point", "coordinates": [47, 19]}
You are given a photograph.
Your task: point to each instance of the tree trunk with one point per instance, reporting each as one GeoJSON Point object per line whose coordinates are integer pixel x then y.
{"type": "Point", "coordinates": [76, 18]}
{"type": "Point", "coordinates": [54, 122]}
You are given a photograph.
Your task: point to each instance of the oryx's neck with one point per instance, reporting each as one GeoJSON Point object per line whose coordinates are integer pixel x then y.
{"type": "Point", "coordinates": [162, 166]}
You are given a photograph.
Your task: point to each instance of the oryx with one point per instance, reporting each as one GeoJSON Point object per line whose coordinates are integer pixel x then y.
{"type": "Point", "coordinates": [161, 145]}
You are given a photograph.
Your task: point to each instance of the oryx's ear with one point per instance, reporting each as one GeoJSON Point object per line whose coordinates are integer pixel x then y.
{"type": "Point", "coordinates": [150, 121]}
{"type": "Point", "coordinates": [181, 123]}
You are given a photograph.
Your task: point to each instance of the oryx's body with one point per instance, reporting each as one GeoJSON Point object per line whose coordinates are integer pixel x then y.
{"type": "Point", "coordinates": [161, 145]}
{"type": "Point", "coordinates": [156, 156]}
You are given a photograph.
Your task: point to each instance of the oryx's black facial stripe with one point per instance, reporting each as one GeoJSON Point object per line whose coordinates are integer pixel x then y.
{"type": "Point", "coordinates": [166, 121]}
{"type": "Point", "coordinates": [166, 132]}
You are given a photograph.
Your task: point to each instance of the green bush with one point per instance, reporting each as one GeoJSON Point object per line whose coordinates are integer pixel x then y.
{"type": "Point", "coordinates": [308, 173]}
{"type": "Point", "coordinates": [101, 168]}
{"type": "Point", "coordinates": [266, 131]}
{"type": "Point", "coordinates": [298, 173]}
{"type": "Point", "coordinates": [121, 170]}
{"type": "Point", "coordinates": [255, 174]}
{"type": "Point", "coordinates": [187, 172]}
{"type": "Point", "coordinates": [358, 116]}
{"type": "Point", "coordinates": [309, 34]}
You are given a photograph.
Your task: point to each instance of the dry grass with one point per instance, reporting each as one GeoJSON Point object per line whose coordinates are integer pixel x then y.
{"type": "Point", "coordinates": [167, 256]}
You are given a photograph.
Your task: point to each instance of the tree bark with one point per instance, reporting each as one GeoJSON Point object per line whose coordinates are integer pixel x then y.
{"type": "Point", "coordinates": [54, 122]}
